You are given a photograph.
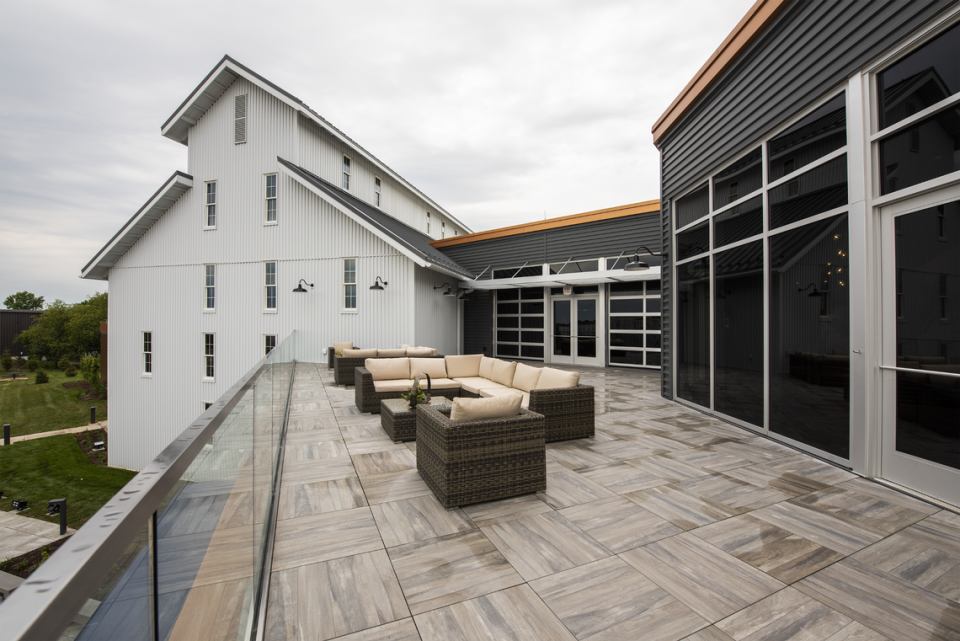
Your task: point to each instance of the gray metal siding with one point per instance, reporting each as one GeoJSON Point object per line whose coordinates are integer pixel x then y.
{"type": "Point", "coordinates": [587, 240]}
{"type": "Point", "coordinates": [666, 301]}
{"type": "Point", "coordinates": [478, 323]}
{"type": "Point", "coordinates": [808, 49]}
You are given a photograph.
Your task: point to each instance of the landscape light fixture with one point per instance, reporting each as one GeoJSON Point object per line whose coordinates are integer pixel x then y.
{"type": "Point", "coordinates": [300, 289]}
{"type": "Point", "coordinates": [635, 264]}
{"type": "Point", "coordinates": [376, 284]}
{"type": "Point", "coordinates": [59, 506]}
{"type": "Point", "coordinates": [18, 504]}
{"type": "Point", "coordinates": [814, 294]}
{"type": "Point", "coordinates": [98, 446]}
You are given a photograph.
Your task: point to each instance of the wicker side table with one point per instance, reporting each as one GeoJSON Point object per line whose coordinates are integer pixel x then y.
{"type": "Point", "coordinates": [399, 420]}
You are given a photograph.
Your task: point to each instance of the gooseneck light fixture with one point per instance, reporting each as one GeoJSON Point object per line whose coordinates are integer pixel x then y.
{"type": "Point", "coordinates": [814, 294]}
{"type": "Point", "coordinates": [449, 291]}
{"type": "Point", "coordinates": [635, 264]}
{"type": "Point", "coordinates": [300, 289]}
{"type": "Point", "coordinates": [376, 284]}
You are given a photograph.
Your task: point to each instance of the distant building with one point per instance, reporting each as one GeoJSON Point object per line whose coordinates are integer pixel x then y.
{"type": "Point", "coordinates": [12, 322]}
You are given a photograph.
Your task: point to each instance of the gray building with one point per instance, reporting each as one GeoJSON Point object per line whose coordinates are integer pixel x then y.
{"type": "Point", "coordinates": [810, 216]}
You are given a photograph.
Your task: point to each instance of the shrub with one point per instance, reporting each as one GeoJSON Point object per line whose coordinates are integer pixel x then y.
{"type": "Point", "coordinates": [42, 377]}
{"type": "Point", "coordinates": [63, 364]}
{"type": "Point", "coordinates": [33, 365]}
{"type": "Point", "coordinates": [90, 368]}
{"type": "Point", "coordinates": [5, 361]}
{"type": "Point", "coordinates": [19, 361]}
{"type": "Point", "coordinates": [71, 371]}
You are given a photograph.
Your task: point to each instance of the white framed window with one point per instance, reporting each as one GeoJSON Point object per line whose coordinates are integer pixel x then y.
{"type": "Point", "coordinates": [211, 205]}
{"type": "Point", "coordinates": [240, 119]}
{"type": "Point", "coordinates": [443, 229]}
{"type": "Point", "coordinates": [270, 195]}
{"type": "Point", "coordinates": [270, 284]}
{"type": "Point", "coordinates": [208, 356]}
{"type": "Point", "coordinates": [206, 406]}
{"type": "Point", "coordinates": [269, 343]}
{"type": "Point", "coordinates": [350, 283]}
{"type": "Point", "coordinates": [428, 222]}
{"type": "Point", "coordinates": [346, 173]}
{"type": "Point", "coordinates": [148, 353]}
{"type": "Point", "coordinates": [209, 287]}
{"type": "Point", "coordinates": [376, 191]}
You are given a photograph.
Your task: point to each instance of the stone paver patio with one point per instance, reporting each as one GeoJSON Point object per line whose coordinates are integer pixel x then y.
{"type": "Point", "coordinates": [667, 525]}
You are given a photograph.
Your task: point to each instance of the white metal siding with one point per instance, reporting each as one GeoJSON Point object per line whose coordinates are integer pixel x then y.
{"type": "Point", "coordinates": [436, 324]}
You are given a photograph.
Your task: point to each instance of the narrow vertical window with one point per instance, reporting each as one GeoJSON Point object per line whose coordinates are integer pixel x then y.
{"type": "Point", "coordinates": [270, 285]}
{"type": "Point", "coordinates": [269, 342]}
{"type": "Point", "coordinates": [376, 191]}
{"type": "Point", "coordinates": [346, 173]}
{"type": "Point", "coordinates": [212, 204]}
{"type": "Point", "coordinates": [271, 198]}
{"type": "Point", "coordinates": [428, 222]}
{"type": "Point", "coordinates": [443, 229]}
{"type": "Point", "coordinates": [208, 370]}
{"type": "Point", "coordinates": [943, 298]}
{"type": "Point", "coordinates": [209, 286]}
{"type": "Point", "coordinates": [240, 119]}
{"type": "Point", "coordinates": [349, 283]}
{"type": "Point", "coordinates": [148, 352]}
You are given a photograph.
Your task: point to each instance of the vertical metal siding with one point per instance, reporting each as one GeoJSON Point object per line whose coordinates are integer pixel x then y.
{"type": "Point", "coordinates": [436, 324]}
{"type": "Point", "coordinates": [808, 49]}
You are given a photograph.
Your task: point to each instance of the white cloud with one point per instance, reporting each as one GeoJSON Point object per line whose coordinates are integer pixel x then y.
{"type": "Point", "coordinates": [498, 110]}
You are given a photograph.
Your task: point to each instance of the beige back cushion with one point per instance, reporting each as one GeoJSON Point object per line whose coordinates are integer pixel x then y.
{"type": "Point", "coordinates": [552, 378]}
{"type": "Point", "coordinates": [503, 372]}
{"type": "Point", "coordinates": [463, 366]}
{"type": "Point", "coordinates": [405, 346]}
{"type": "Point", "coordinates": [482, 409]}
{"type": "Point", "coordinates": [339, 347]}
{"type": "Point", "coordinates": [360, 353]}
{"type": "Point", "coordinates": [435, 367]}
{"type": "Point", "coordinates": [420, 351]}
{"type": "Point", "coordinates": [391, 353]}
{"type": "Point", "coordinates": [486, 367]}
{"type": "Point", "coordinates": [526, 377]}
{"type": "Point", "coordinates": [388, 369]}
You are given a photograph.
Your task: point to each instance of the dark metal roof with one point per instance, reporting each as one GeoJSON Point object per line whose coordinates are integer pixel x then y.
{"type": "Point", "coordinates": [397, 233]}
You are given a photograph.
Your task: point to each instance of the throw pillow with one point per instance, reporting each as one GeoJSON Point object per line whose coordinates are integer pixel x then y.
{"type": "Point", "coordinates": [484, 409]}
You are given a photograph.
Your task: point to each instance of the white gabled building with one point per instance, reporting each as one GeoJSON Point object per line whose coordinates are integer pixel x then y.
{"type": "Point", "coordinates": [272, 194]}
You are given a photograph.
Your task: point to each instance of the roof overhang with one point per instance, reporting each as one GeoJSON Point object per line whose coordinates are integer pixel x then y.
{"type": "Point", "coordinates": [99, 266]}
{"type": "Point", "coordinates": [177, 126]}
{"type": "Point", "coordinates": [559, 280]}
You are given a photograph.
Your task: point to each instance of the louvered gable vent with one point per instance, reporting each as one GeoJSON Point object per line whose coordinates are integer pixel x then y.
{"type": "Point", "coordinates": [240, 118]}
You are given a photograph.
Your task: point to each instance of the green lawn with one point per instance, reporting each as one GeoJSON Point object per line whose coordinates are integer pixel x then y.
{"type": "Point", "coordinates": [30, 408]}
{"type": "Point", "coordinates": [55, 468]}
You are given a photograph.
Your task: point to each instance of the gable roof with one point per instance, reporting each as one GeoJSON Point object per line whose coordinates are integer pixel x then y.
{"type": "Point", "coordinates": [749, 27]}
{"type": "Point", "coordinates": [224, 74]}
{"type": "Point", "coordinates": [412, 243]}
{"type": "Point", "coordinates": [139, 223]}
{"type": "Point", "coordinates": [645, 207]}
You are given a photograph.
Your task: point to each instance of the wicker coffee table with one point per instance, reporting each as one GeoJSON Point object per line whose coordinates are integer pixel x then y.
{"type": "Point", "coordinates": [399, 420]}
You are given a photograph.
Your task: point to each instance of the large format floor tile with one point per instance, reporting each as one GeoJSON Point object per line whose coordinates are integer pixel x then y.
{"type": "Point", "coordinates": [619, 524]}
{"type": "Point", "coordinates": [417, 519]}
{"type": "Point", "coordinates": [311, 539]}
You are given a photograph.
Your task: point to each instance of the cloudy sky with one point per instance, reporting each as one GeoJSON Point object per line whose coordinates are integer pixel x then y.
{"type": "Point", "coordinates": [503, 112]}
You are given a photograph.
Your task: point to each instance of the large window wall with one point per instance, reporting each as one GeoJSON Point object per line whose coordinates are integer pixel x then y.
{"type": "Point", "coordinates": [762, 319]}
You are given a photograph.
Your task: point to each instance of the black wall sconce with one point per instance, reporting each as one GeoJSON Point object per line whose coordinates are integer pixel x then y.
{"type": "Point", "coordinates": [376, 284]}
{"type": "Point", "coordinates": [635, 264]}
{"type": "Point", "coordinates": [814, 294]}
{"type": "Point", "coordinates": [300, 289]}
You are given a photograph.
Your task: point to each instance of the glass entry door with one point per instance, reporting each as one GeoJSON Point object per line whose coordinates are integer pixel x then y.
{"type": "Point", "coordinates": [575, 335]}
{"type": "Point", "coordinates": [920, 366]}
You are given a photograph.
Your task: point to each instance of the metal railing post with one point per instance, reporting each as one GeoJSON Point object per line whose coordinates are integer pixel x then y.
{"type": "Point", "coordinates": [154, 584]}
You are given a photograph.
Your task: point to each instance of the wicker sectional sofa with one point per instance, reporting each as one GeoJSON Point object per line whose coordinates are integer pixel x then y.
{"type": "Point", "coordinates": [344, 364]}
{"type": "Point", "coordinates": [567, 406]}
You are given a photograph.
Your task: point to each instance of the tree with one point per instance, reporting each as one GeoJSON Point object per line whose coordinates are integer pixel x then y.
{"type": "Point", "coordinates": [23, 300]}
{"type": "Point", "coordinates": [66, 330]}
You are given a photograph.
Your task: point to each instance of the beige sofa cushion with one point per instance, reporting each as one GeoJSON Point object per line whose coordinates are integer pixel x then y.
{"type": "Point", "coordinates": [435, 367]}
{"type": "Point", "coordinates": [483, 409]}
{"type": "Point", "coordinates": [339, 347]}
{"type": "Point", "coordinates": [503, 391]}
{"type": "Point", "coordinates": [552, 378]}
{"type": "Point", "coordinates": [503, 372]}
{"type": "Point", "coordinates": [486, 367]}
{"type": "Point", "coordinates": [465, 365]}
{"type": "Point", "coordinates": [441, 383]}
{"type": "Point", "coordinates": [396, 385]}
{"type": "Point", "coordinates": [386, 369]}
{"type": "Point", "coordinates": [405, 346]}
{"type": "Point", "coordinates": [421, 351]}
{"type": "Point", "coordinates": [359, 353]}
{"type": "Point", "coordinates": [526, 377]}
{"type": "Point", "coordinates": [474, 384]}
{"type": "Point", "coordinates": [391, 353]}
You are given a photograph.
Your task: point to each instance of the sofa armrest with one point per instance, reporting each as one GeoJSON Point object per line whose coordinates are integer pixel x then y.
{"type": "Point", "coordinates": [461, 441]}
{"type": "Point", "coordinates": [569, 411]}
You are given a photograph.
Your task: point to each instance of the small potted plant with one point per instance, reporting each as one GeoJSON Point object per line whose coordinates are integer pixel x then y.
{"type": "Point", "coordinates": [416, 394]}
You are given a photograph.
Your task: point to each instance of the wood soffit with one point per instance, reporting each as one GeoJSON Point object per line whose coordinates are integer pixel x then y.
{"type": "Point", "coordinates": [752, 24]}
{"type": "Point", "coordinates": [645, 207]}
